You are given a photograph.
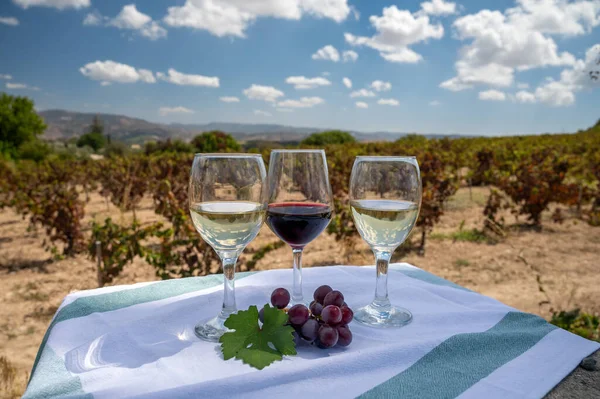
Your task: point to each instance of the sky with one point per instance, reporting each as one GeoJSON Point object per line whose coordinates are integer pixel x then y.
{"type": "Point", "coordinates": [475, 67]}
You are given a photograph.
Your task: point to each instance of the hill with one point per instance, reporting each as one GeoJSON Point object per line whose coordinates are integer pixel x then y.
{"type": "Point", "coordinates": [66, 124]}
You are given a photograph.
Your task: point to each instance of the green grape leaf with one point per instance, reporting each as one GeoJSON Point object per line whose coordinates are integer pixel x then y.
{"type": "Point", "coordinates": [250, 343]}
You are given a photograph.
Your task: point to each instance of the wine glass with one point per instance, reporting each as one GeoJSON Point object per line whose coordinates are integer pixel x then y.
{"type": "Point", "coordinates": [300, 203]}
{"type": "Point", "coordinates": [227, 199]}
{"type": "Point", "coordinates": [385, 198]}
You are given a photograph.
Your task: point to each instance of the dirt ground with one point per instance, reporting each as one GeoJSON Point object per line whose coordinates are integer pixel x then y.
{"type": "Point", "coordinates": [536, 272]}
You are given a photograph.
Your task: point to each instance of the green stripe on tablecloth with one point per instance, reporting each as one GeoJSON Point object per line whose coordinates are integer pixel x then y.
{"type": "Point", "coordinates": [110, 301]}
{"type": "Point", "coordinates": [462, 360]}
{"type": "Point", "coordinates": [422, 275]}
{"type": "Point", "coordinates": [53, 380]}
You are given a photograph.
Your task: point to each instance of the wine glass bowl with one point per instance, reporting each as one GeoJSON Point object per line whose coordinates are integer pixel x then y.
{"type": "Point", "coordinates": [300, 203]}
{"type": "Point", "coordinates": [385, 198]}
{"type": "Point", "coordinates": [227, 201]}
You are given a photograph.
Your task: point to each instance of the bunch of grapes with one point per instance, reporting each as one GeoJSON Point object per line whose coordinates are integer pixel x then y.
{"type": "Point", "coordinates": [326, 322]}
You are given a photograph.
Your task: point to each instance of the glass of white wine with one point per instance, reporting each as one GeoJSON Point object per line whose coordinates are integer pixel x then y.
{"type": "Point", "coordinates": [385, 198]}
{"type": "Point", "coordinates": [227, 199]}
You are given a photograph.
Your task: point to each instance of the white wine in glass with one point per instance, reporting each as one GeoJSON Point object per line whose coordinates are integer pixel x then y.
{"type": "Point", "coordinates": [385, 198]}
{"type": "Point", "coordinates": [227, 201]}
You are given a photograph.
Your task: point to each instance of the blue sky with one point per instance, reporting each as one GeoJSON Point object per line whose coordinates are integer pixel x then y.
{"type": "Point", "coordinates": [469, 67]}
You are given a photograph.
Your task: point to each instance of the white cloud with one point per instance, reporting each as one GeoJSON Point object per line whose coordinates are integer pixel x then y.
{"type": "Point", "coordinates": [327, 53]}
{"type": "Point", "coordinates": [10, 21]}
{"type": "Point", "coordinates": [94, 19]}
{"type": "Point", "coordinates": [561, 93]}
{"type": "Point", "coordinates": [350, 56]}
{"type": "Point", "coordinates": [520, 38]}
{"type": "Point", "coordinates": [153, 31]}
{"type": "Point", "coordinates": [264, 93]}
{"type": "Point", "coordinates": [232, 17]}
{"type": "Point", "coordinates": [556, 94]}
{"type": "Point", "coordinates": [262, 113]}
{"type": "Point", "coordinates": [361, 104]}
{"type": "Point", "coordinates": [468, 75]}
{"type": "Point", "coordinates": [492, 95]}
{"type": "Point", "coordinates": [562, 17]}
{"type": "Point", "coordinates": [438, 7]}
{"type": "Point", "coordinates": [388, 101]}
{"type": "Point", "coordinates": [522, 85]}
{"type": "Point", "coordinates": [435, 103]}
{"type": "Point", "coordinates": [336, 10]}
{"type": "Point", "coordinates": [109, 71]}
{"type": "Point", "coordinates": [379, 85]}
{"type": "Point", "coordinates": [525, 97]}
{"type": "Point", "coordinates": [7, 77]}
{"type": "Point", "coordinates": [59, 4]}
{"type": "Point", "coordinates": [284, 110]}
{"type": "Point", "coordinates": [304, 102]}
{"type": "Point", "coordinates": [21, 86]}
{"type": "Point", "coordinates": [302, 82]}
{"type": "Point", "coordinates": [325, 73]}
{"type": "Point", "coordinates": [183, 79]}
{"type": "Point", "coordinates": [396, 31]}
{"type": "Point", "coordinates": [129, 19]}
{"type": "Point", "coordinates": [229, 99]}
{"type": "Point", "coordinates": [362, 93]}
{"type": "Point", "coordinates": [347, 82]}
{"type": "Point", "coordinates": [174, 110]}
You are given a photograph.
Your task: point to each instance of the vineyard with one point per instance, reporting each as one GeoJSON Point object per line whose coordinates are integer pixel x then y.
{"type": "Point", "coordinates": [528, 186]}
{"type": "Point", "coordinates": [529, 176]}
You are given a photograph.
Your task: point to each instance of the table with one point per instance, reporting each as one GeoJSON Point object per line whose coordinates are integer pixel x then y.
{"type": "Point", "coordinates": [138, 341]}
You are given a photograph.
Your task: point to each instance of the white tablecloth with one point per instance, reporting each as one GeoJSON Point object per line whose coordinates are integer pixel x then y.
{"type": "Point", "coordinates": [138, 341]}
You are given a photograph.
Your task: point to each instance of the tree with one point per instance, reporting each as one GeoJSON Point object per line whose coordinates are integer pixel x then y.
{"type": "Point", "coordinates": [215, 141]}
{"type": "Point", "coordinates": [36, 150]}
{"type": "Point", "coordinates": [168, 146]}
{"type": "Point", "coordinates": [19, 123]}
{"type": "Point", "coordinates": [595, 74]}
{"type": "Point", "coordinates": [329, 137]}
{"type": "Point", "coordinates": [95, 137]}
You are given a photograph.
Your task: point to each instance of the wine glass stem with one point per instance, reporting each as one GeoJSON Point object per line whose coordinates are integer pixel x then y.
{"type": "Point", "coordinates": [229, 260]}
{"type": "Point", "coordinates": [381, 290]}
{"type": "Point", "coordinates": [297, 296]}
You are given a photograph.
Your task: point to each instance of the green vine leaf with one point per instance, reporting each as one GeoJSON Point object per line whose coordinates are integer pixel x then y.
{"type": "Point", "coordinates": [250, 343]}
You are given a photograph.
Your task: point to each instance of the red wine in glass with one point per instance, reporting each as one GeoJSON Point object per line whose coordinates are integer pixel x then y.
{"type": "Point", "coordinates": [300, 203]}
{"type": "Point", "coordinates": [298, 223]}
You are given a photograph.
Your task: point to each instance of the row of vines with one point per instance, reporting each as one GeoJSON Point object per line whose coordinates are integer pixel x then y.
{"type": "Point", "coordinates": [528, 175]}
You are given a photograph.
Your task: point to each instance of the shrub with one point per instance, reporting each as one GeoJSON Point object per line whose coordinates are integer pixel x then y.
{"type": "Point", "coordinates": [329, 137]}
{"type": "Point", "coordinates": [215, 141]}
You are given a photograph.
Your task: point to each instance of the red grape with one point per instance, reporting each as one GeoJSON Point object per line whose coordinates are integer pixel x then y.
{"type": "Point", "coordinates": [298, 314]}
{"type": "Point", "coordinates": [331, 315]}
{"type": "Point", "coordinates": [327, 337]}
{"type": "Point", "coordinates": [344, 335]}
{"type": "Point", "coordinates": [316, 308]}
{"type": "Point", "coordinates": [334, 298]}
{"type": "Point", "coordinates": [280, 298]}
{"type": "Point", "coordinates": [347, 314]}
{"type": "Point", "coordinates": [310, 330]}
{"type": "Point", "coordinates": [320, 293]}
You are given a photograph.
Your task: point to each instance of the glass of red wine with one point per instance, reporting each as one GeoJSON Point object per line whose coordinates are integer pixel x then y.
{"type": "Point", "coordinates": [300, 203]}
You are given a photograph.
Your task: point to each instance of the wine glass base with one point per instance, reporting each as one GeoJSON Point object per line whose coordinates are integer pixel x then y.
{"type": "Point", "coordinates": [387, 317]}
{"type": "Point", "coordinates": [211, 330]}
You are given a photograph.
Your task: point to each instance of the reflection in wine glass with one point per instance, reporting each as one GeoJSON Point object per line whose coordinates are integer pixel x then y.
{"type": "Point", "coordinates": [227, 199]}
{"type": "Point", "coordinates": [300, 203]}
{"type": "Point", "coordinates": [385, 198]}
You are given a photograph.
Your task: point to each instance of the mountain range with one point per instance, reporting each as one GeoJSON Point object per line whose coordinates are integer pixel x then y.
{"type": "Point", "coordinates": [66, 124]}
